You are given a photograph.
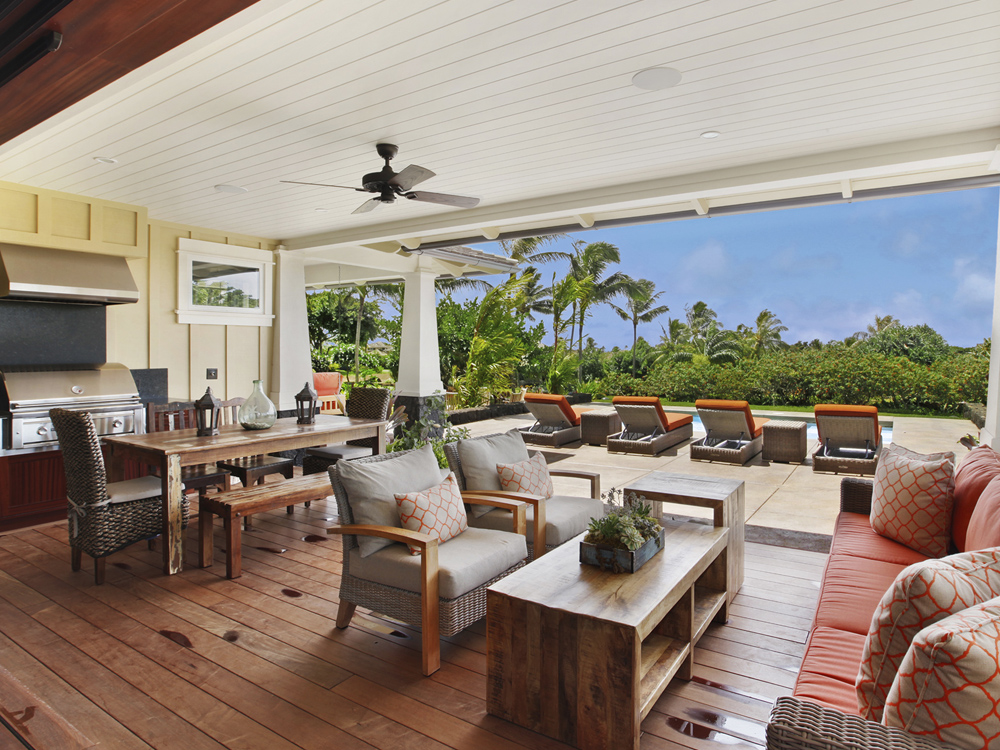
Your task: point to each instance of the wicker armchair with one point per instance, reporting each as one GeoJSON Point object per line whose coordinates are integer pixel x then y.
{"type": "Point", "coordinates": [103, 518]}
{"type": "Point", "coordinates": [424, 605]}
{"type": "Point", "coordinates": [364, 403]}
{"type": "Point", "coordinates": [554, 520]}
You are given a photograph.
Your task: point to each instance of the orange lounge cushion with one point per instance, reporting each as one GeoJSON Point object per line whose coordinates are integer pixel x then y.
{"type": "Point", "coordinates": [668, 420]}
{"type": "Point", "coordinates": [845, 410]}
{"type": "Point", "coordinates": [852, 590]}
{"type": "Point", "coordinates": [984, 525]}
{"type": "Point", "coordinates": [327, 383]}
{"type": "Point", "coordinates": [853, 535]}
{"type": "Point", "coordinates": [755, 426]}
{"type": "Point", "coordinates": [827, 691]}
{"type": "Point", "coordinates": [550, 398]}
{"type": "Point", "coordinates": [976, 471]}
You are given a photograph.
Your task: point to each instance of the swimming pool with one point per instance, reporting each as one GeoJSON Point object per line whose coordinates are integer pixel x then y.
{"type": "Point", "coordinates": [811, 432]}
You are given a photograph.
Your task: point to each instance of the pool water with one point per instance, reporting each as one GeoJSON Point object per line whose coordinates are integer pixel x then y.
{"type": "Point", "coordinates": [811, 432]}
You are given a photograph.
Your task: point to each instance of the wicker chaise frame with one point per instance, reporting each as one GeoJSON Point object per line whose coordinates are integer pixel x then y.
{"type": "Point", "coordinates": [96, 526]}
{"type": "Point", "coordinates": [453, 615]}
{"type": "Point", "coordinates": [797, 724]}
{"type": "Point", "coordinates": [649, 445]}
{"type": "Point", "coordinates": [538, 503]}
{"type": "Point", "coordinates": [850, 431]}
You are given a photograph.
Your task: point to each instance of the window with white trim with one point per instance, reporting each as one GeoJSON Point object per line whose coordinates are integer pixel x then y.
{"type": "Point", "coordinates": [223, 284]}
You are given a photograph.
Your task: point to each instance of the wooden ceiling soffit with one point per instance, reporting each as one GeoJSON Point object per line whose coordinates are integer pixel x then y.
{"type": "Point", "coordinates": [102, 41]}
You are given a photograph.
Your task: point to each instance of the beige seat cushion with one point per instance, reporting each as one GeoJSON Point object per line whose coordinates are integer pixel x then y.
{"type": "Point", "coordinates": [134, 489]}
{"type": "Point", "coordinates": [371, 489]}
{"type": "Point", "coordinates": [565, 517]}
{"type": "Point", "coordinates": [466, 562]}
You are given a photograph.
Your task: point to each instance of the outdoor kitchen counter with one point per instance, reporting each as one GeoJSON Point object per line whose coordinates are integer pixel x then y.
{"type": "Point", "coordinates": [174, 449]}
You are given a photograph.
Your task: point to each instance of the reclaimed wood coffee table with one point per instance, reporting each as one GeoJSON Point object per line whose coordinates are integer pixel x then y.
{"type": "Point", "coordinates": [581, 654]}
{"type": "Point", "coordinates": [726, 498]}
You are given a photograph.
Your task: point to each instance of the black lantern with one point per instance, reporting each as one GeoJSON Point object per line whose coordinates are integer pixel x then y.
{"type": "Point", "coordinates": [305, 405]}
{"type": "Point", "coordinates": [207, 411]}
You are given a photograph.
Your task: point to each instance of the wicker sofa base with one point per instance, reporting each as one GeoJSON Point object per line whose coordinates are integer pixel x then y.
{"type": "Point", "coordinates": [454, 615]}
{"type": "Point", "coordinates": [844, 465]}
{"type": "Point", "coordinates": [702, 452]}
{"type": "Point", "coordinates": [651, 447]}
{"type": "Point", "coordinates": [551, 439]}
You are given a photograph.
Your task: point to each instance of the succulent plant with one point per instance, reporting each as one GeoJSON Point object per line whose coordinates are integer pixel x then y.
{"type": "Point", "coordinates": [624, 527]}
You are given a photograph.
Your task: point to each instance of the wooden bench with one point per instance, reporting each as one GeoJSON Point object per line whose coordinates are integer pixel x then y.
{"type": "Point", "coordinates": [236, 505]}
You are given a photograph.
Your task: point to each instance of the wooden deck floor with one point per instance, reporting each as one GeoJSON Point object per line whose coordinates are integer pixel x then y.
{"type": "Point", "coordinates": [196, 661]}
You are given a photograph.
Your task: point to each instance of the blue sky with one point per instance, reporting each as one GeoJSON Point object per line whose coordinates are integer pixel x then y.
{"type": "Point", "coordinates": [825, 271]}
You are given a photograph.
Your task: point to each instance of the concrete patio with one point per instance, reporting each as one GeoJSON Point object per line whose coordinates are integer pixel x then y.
{"type": "Point", "coordinates": [787, 497]}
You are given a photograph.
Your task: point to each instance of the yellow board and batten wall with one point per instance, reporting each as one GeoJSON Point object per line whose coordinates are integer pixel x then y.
{"type": "Point", "coordinates": [146, 334]}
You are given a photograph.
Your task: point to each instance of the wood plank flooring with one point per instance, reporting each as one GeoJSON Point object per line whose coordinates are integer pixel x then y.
{"type": "Point", "coordinates": [197, 661]}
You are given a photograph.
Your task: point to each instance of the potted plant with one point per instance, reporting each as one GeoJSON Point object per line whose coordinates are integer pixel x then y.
{"type": "Point", "coordinates": [624, 539]}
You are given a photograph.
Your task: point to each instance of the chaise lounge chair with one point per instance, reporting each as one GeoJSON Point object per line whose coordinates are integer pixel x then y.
{"type": "Point", "coordinates": [647, 429]}
{"type": "Point", "coordinates": [556, 422]}
{"type": "Point", "coordinates": [732, 433]}
{"type": "Point", "coordinates": [850, 439]}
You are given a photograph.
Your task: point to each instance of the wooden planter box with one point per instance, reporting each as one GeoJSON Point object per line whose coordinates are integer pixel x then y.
{"type": "Point", "coordinates": [620, 560]}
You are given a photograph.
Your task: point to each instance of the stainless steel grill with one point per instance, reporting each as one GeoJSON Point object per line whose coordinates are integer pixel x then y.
{"type": "Point", "coordinates": [107, 391]}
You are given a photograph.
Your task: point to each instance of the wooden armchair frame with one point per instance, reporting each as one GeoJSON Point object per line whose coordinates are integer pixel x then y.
{"type": "Point", "coordinates": [428, 611]}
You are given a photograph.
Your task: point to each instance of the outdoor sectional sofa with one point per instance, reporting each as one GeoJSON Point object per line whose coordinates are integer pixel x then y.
{"type": "Point", "coordinates": [823, 710]}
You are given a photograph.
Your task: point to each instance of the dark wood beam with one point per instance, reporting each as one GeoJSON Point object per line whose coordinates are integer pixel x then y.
{"type": "Point", "coordinates": [102, 42]}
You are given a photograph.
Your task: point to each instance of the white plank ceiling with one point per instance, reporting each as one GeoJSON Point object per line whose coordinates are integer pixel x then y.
{"type": "Point", "coordinates": [518, 102]}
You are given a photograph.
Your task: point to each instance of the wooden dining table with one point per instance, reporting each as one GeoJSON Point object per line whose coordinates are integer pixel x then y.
{"type": "Point", "coordinates": [169, 451]}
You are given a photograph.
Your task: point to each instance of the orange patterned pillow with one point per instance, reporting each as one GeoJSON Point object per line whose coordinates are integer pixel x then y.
{"type": "Point", "coordinates": [921, 595]}
{"type": "Point", "coordinates": [531, 476]}
{"type": "Point", "coordinates": [912, 499]}
{"type": "Point", "coordinates": [438, 511]}
{"type": "Point", "coordinates": [948, 685]}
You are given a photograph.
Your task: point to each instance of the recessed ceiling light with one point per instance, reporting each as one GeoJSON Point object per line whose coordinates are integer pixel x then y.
{"type": "Point", "coordinates": [230, 189]}
{"type": "Point", "coordinates": [321, 210]}
{"type": "Point", "coordinates": [105, 160]}
{"type": "Point", "coordinates": [656, 79]}
{"type": "Point", "coordinates": [710, 134]}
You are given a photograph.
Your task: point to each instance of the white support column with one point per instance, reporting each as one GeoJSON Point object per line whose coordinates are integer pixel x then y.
{"type": "Point", "coordinates": [990, 434]}
{"type": "Point", "coordinates": [291, 365]}
{"type": "Point", "coordinates": [419, 358]}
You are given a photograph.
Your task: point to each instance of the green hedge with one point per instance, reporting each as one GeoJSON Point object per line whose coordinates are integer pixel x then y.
{"type": "Point", "coordinates": [806, 377]}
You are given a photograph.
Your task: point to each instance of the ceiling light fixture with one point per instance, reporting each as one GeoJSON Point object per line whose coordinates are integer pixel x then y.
{"type": "Point", "coordinates": [656, 79]}
{"type": "Point", "coordinates": [234, 189]}
{"type": "Point", "coordinates": [105, 160]}
{"type": "Point", "coordinates": [321, 210]}
{"type": "Point", "coordinates": [710, 134]}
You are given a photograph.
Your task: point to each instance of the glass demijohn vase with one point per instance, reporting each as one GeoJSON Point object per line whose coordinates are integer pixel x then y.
{"type": "Point", "coordinates": [257, 412]}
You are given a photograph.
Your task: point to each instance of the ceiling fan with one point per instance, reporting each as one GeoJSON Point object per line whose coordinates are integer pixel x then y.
{"type": "Point", "coordinates": [389, 184]}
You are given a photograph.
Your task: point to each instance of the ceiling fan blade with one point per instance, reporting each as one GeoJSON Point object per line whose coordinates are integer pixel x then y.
{"type": "Point", "coordinates": [461, 201]}
{"type": "Point", "coordinates": [320, 184]}
{"type": "Point", "coordinates": [367, 206]}
{"type": "Point", "coordinates": [412, 175]}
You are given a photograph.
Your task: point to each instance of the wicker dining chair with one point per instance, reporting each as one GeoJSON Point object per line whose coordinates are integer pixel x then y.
{"type": "Point", "coordinates": [419, 589]}
{"type": "Point", "coordinates": [363, 403]}
{"type": "Point", "coordinates": [180, 415]}
{"type": "Point", "coordinates": [103, 517]}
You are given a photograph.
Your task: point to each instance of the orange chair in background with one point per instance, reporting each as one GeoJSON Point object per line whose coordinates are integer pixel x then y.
{"type": "Point", "coordinates": [327, 385]}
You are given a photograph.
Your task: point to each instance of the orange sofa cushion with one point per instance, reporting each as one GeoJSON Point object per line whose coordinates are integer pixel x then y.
{"type": "Point", "coordinates": [829, 668]}
{"type": "Point", "coordinates": [668, 420]}
{"type": "Point", "coordinates": [755, 425]}
{"type": "Point", "coordinates": [853, 535]}
{"type": "Point", "coordinates": [976, 471]}
{"type": "Point", "coordinates": [327, 383]}
{"type": "Point", "coordinates": [984, 525]}
{"type": "Point", "coordinates": [550, 398]}
{"type": "Point", "coordinates": [844, 410]}
{"type": "Point", "coordinates": [852, 590]}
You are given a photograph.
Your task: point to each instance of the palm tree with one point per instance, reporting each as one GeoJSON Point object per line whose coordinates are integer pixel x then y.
{"type": "Point", "coordinates": [765, 336]}
{"type": "Point", "coordinates": [527, 250]}
{"type": "Point", "coordinates": [716, 346]}
{"type": "Point", "coordinates": [640, 295]}
{"type": "Point", "coordinates": [592, 260]}
{"type": "Point", "coordinates": [700, 318]}
{"type": "Point", "coordinates": [881, 324]}
{"type": "Point", "coordinates": [535, 298]}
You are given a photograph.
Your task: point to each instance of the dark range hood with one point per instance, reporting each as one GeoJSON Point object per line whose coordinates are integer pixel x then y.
{"type": "Point", "coordinates": [49, 275]}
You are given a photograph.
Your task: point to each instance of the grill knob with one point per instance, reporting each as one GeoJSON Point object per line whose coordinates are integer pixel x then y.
{"type": "Point", "coordinates": [77, 389]}
{"type": "Point", "coordinates": [117, 423]}
{"type": "Point", "coordinates": [43, 430]}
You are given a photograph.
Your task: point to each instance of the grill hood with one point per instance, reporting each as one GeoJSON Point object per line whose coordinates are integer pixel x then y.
{"type": "Point", "coordinates": [50, 275]}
